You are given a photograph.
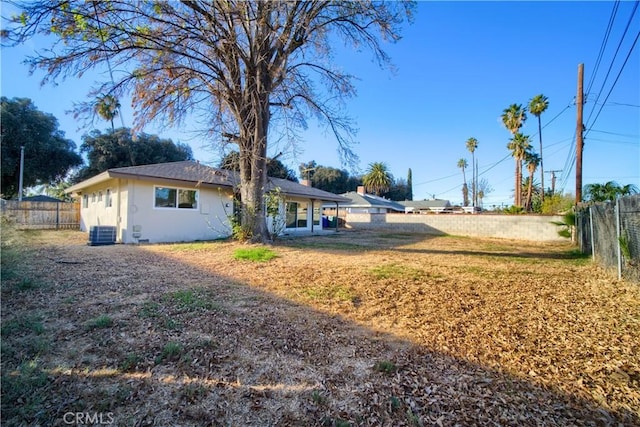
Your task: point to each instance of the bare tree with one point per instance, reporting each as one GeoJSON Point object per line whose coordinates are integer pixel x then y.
{"type": "Point", "coordinates": [239, 66]}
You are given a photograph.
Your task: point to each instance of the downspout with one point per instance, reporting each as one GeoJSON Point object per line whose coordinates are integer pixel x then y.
{"type": "Point", "coordinates": [313, 212]}
{"type": "Point", "coordinates": [337, 216]}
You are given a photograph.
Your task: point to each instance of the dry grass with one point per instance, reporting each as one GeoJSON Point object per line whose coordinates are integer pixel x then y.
{"type": "Point", "coordinates": [348, 329]}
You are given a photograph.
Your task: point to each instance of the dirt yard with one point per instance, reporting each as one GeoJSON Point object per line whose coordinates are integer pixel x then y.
{"type": "Point", "coordinates": [349, 329]}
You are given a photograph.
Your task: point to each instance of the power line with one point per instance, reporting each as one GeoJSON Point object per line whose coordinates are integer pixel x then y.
{"type": "Point", "coordinates": [434, 180]}
{"type": "Point", "coordinates": [633, 12]}
{"type": "Point", "coordinates": [603, 44]}
{"type": "Point", "coordinates": [495, 164]}
{"type": "Point", "coordinates": [619, 104]}
{"type": "Point", "coordinates": [614, 133]}
{"type": "Point", "coordinates": [554, 118]}
{"type": "Point", "coordinates": [624, 105]}
{"type": "Point", "coordinates": [610, 141]}
{"type": "Point", "coordinates": [568, 164]}
{"type": "Point", "coordinates": [617, 77]}
{"type": "Point", "coordinates": [558, 115]}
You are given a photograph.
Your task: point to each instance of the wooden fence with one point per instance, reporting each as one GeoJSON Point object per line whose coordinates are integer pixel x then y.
{"type": "Point", "coordinates": [42, 215]}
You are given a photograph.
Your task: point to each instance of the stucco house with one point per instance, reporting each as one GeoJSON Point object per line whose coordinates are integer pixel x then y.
{"type": "Point", "coordinates": [184, 201]}
{"type": "Point", "coordinates": [427, 206]}
{"type": "Point", "coordinates": [361, 202]}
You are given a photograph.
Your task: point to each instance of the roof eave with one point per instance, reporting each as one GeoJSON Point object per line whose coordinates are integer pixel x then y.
{"type": "Point", "coordinates": [101, 177]}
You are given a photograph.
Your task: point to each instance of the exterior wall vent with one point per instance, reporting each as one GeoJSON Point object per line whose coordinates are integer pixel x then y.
{"type": "Point", "coordinates": [102, 235]}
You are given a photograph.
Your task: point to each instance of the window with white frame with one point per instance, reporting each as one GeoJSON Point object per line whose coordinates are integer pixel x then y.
{"type": "Point", "coordinates": [85, 201]}
{"type": "Point", "coordinates": [107, 198]}
{"type": "Point", "coordinates": [175, 198]}
{"type": "Point", "coordinates": [99, 196]}
{"type": "Point", "coordinates": [93, 197]}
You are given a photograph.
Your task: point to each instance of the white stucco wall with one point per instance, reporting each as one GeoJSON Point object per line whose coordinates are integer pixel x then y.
{"type": "Point", "coordinates": [146, 223]}
{"type": "Point", "coordinates": [133, 212]}
{"type": "Point", "coordinates": [96, 212]}
{"type": "Point", "coordinates": [138, 220]}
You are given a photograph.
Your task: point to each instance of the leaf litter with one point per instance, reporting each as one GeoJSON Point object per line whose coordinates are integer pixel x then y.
{"type": "Point", "coordinates": [473, 332]}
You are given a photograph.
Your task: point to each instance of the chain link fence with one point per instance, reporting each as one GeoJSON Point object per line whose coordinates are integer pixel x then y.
{"type": "Point", "coordinates": [611, 233]}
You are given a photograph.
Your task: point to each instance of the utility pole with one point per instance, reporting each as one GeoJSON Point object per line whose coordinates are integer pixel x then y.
{"type": "Point", "coordinates": [475, 187]}
{"type": "Point", "coordinates": [579, 131]}
{"type": "Point", "coordinates": [21, 173]}
{"type": "Point", "coordinates": [553, 180]}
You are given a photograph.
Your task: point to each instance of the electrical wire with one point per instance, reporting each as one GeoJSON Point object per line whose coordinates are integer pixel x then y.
{"type": "Point", "coordinates": [434, 180]}
{"type": "Point", "coordinates": [603, 45]}
{"type": "Point", "coordinates": [616, 134]}
{"type": "Point", "coordinates": [568, 164]}
{"type": "Point", "coordinates": [633, 12]}
{"type": "Point", "coordinates": [616, 80]}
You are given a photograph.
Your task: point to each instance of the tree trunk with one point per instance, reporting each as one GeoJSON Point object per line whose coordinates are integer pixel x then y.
{"type": "Point", "coordinates": [253, 158]}
{"type": "Point", "coordinates": [474, 198]}
{"type": "Point", "coordinates": [465, 190]}
{"type": "Point", "coordinates": [529, 191]}
{"type": "Point", "coordinates": [516, 193]}
{"type": "Point", "coordinates": [541, 165]}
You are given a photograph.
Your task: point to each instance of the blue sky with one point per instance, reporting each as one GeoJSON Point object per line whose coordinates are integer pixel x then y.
{"type": "Point", "coordinates": [457, 68]}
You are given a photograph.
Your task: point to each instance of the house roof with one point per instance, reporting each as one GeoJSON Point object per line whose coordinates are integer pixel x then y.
{"type": "Point", "coordinates": [426, 204]}
{"type": "Point", "coordinates": [195, 173]}
{"type": "Point", "coordinates": [357, 200]}
{"type": "Point", "coordinates": [40, 198]}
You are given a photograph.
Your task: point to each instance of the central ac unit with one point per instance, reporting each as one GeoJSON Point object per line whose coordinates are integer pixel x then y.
{"type": "Point", "coordinates": [102, 235]}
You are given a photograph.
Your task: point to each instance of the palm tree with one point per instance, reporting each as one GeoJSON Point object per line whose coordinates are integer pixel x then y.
{"type": "Point", "coordinates": [608, 191]}
{"type": "Point", "coordinates": [472, 144]}
{"type": "Point", "coordinates": [519, 145]}
{"type": "Point", "coordinates": [107, 107]}
{"type": "Point", "coordinates": [532, 160]}
{"type": "Point", "coordinates": [513, 118]}
{"type": "Point", "coordinates": [537, 106]}
{"type": "Point", "coordinates": [462, 164]}
{"type": "Point", "coordinates": [377, 178]}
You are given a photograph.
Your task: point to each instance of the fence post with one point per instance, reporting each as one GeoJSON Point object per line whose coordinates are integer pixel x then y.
{"type": "Point", "coordinates": [619, 252]}
{"type": "Point", "coordinates": [593, 239]}
{"type": "Point", "coordinates": [57, 215]}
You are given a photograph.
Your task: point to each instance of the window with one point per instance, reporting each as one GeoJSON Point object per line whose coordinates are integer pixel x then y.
{"type": "Point", "coordinates": [93, 197]}
{"type": "Point", "coordinates": [316, 215]}
{"type": "Point", "coordinates": [99, 196]}
{"type": "Point", "coordinates": [296, 215]}
{"type": "Point", "coordinates": [85, 201]}
{"type": "Point", "coordinates": [166, 197]}
{"type": "Point", "coordinates": [107, 199]}
{"type": "Point", "coordinates": [302, 215]}
{"type": "Point", "coordinates": [292, 208]}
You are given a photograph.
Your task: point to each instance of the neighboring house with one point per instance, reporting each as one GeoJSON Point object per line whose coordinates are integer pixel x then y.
{"type": "Point", "coordinates": [361, 202]}
{"type": "Point", "coordinates": [184, 201]}
{"type": "Point", "coordinates": [41, 198]}
{"type": "Point", "coordinates": [427, 206]}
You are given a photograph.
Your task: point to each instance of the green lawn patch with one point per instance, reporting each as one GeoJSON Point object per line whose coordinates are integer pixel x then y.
{"type": "Point", "coordinates": [257, 254]}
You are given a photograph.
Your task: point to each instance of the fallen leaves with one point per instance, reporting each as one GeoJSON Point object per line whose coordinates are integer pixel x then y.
{"type": "Point", "coordinates": [472, 332]}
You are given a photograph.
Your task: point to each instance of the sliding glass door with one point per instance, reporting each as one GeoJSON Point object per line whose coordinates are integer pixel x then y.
{"type": "Point", "coordinates": [297, 214]}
